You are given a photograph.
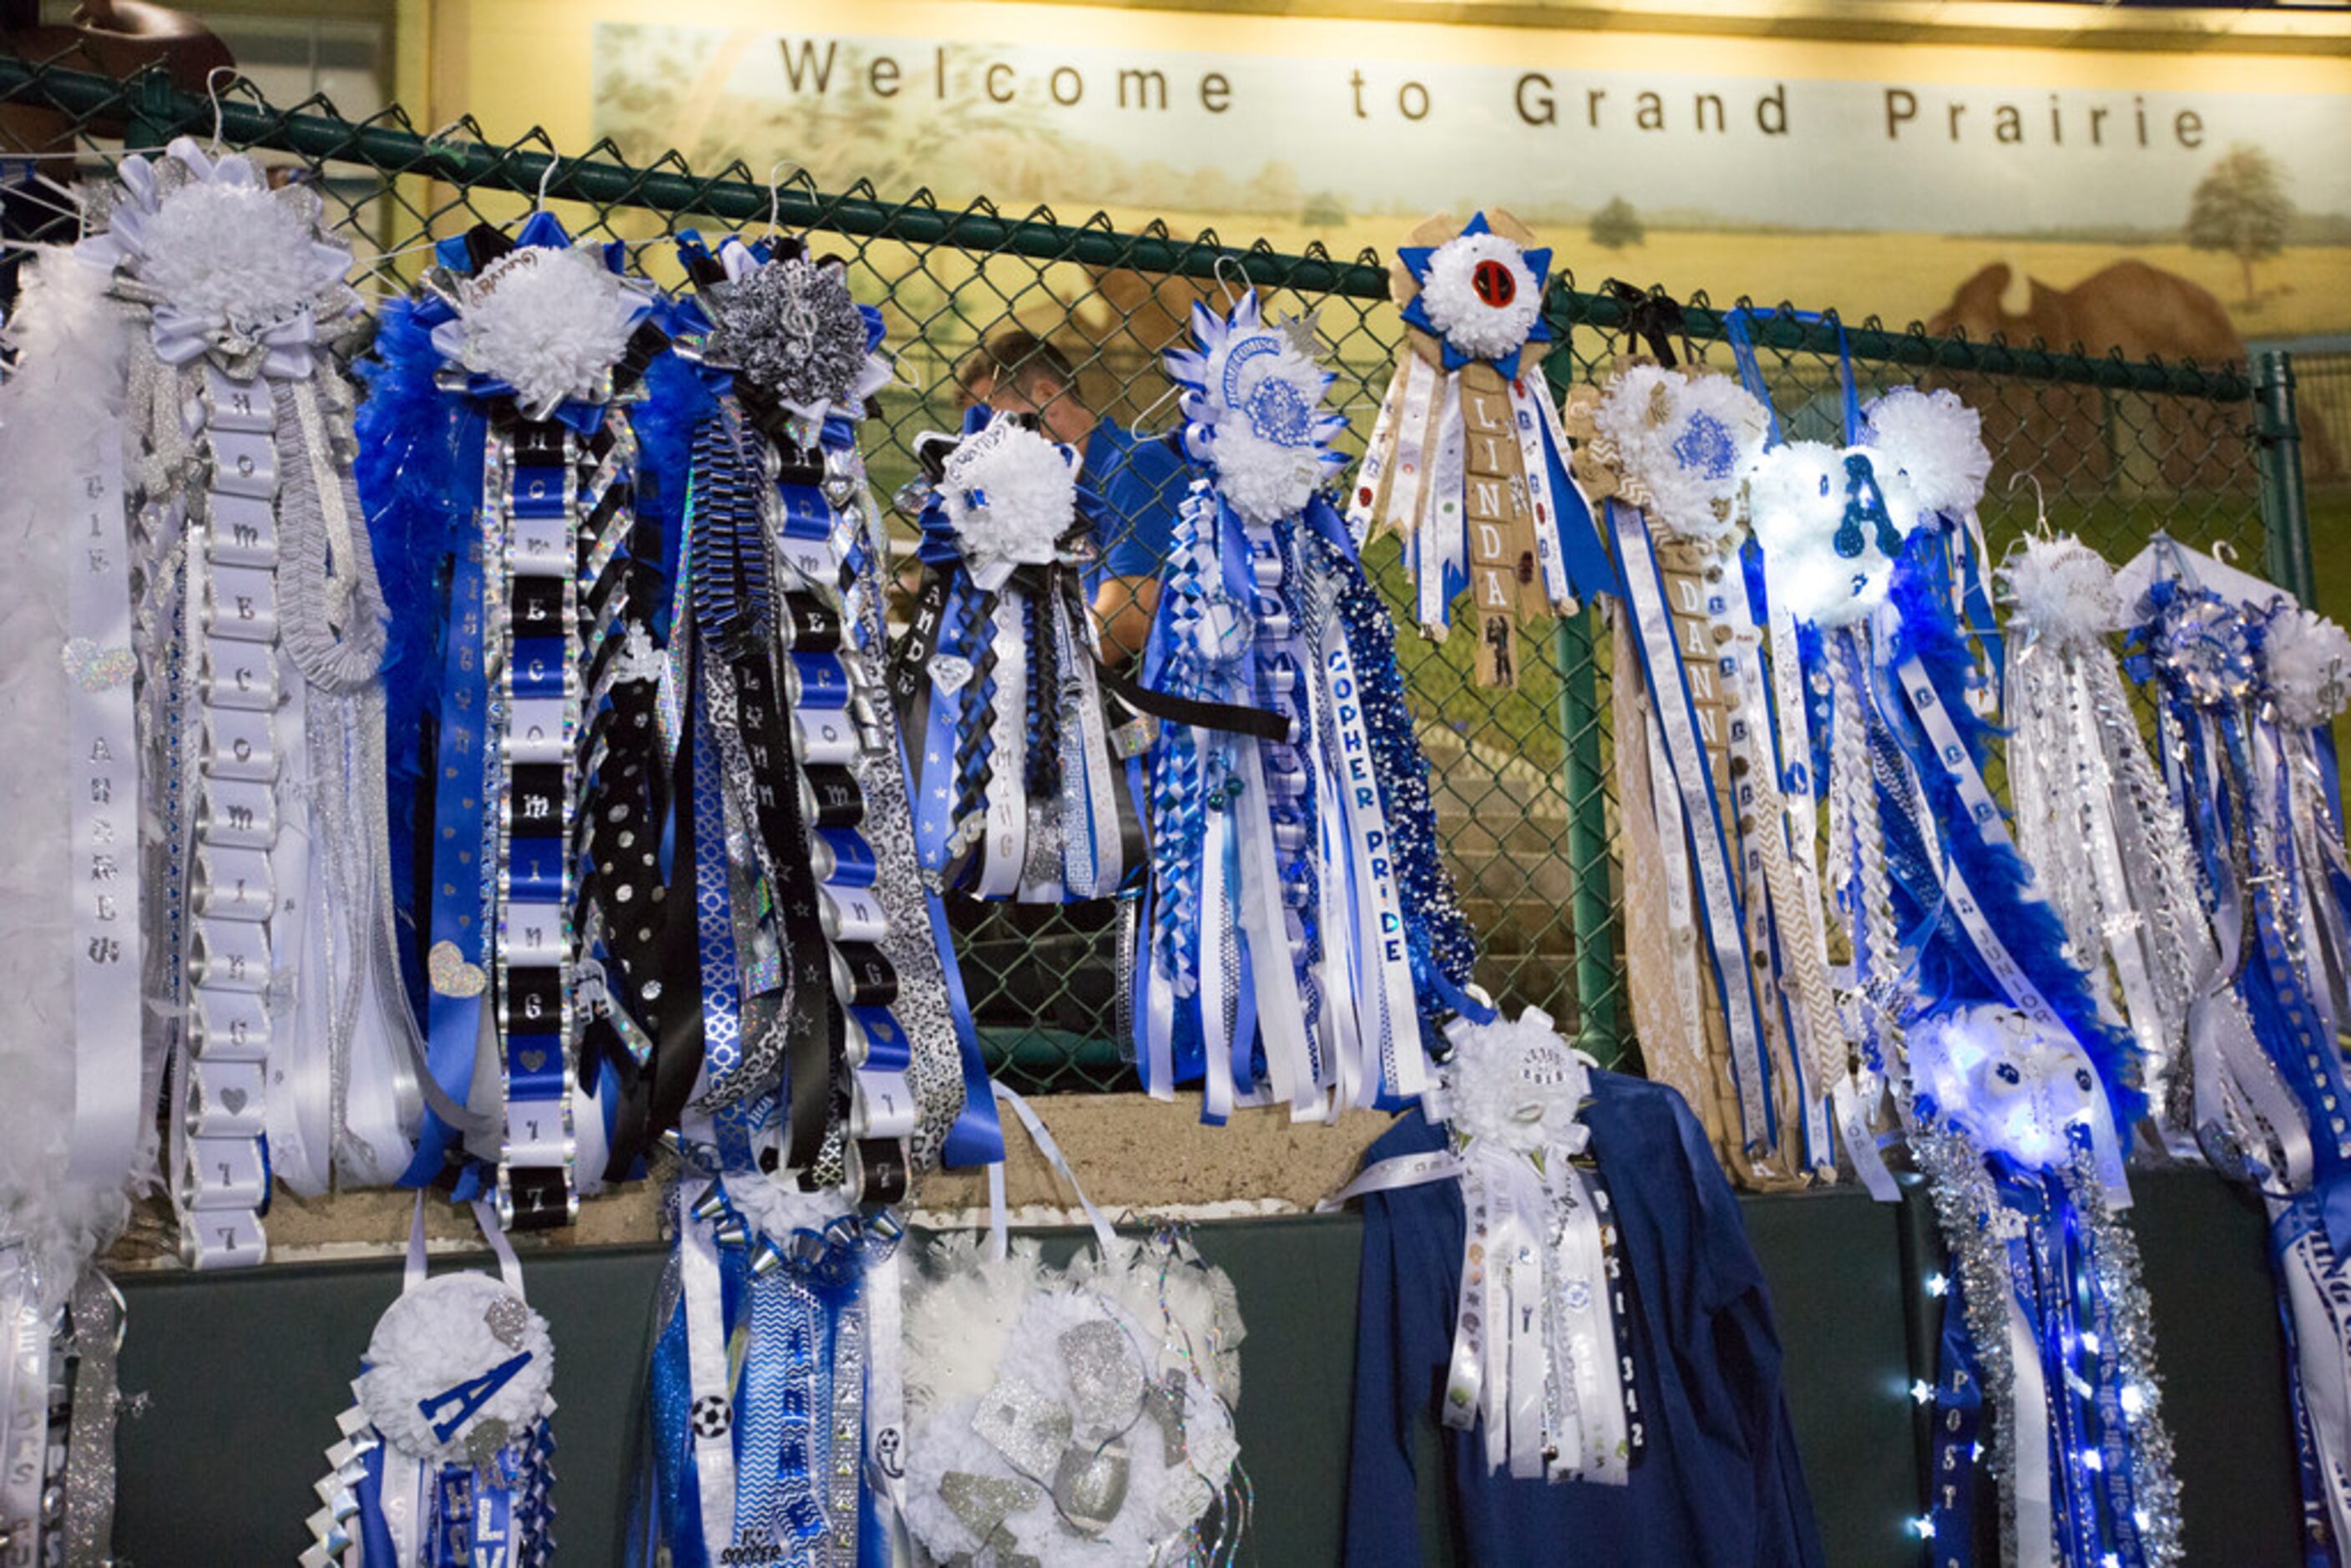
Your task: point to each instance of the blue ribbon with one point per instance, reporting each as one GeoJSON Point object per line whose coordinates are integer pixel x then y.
{"type": "Point", "coordinates": [1750, 372]}
{"type": "Point", "coordinates": [461, 866]}
{"type": "Point", "coordinates": [1958, 1415]}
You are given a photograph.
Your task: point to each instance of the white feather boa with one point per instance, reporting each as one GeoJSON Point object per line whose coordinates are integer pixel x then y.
{"type": "Point", "coordinates": [74, 346]}
{"type": "Point", "coordinates": [973, 1322]}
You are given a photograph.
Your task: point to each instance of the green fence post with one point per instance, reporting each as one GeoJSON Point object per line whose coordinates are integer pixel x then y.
{"type": "Point", "coordinates": [2286, 517]}
{"type": "Point", "coordinates": [1587, 840]}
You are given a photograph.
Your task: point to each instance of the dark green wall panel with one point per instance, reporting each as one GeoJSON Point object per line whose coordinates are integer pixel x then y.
{"type": "Point", "coordinates": [245, 1374]}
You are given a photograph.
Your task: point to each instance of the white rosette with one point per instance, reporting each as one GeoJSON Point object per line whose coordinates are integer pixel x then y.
{"type": "Point", "coordinates": [1011, 494]}
{"type": "Point", "coordinates": [550, 321]}
{"type": "Point", "coordinates": [1469, 319]}
{"type": "Point", "coordinates": [450, 1331]}
{"type": "Point", "coordinates": [1690, 442]}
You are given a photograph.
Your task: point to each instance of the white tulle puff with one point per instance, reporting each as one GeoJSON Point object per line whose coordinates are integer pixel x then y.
{"type": "Point", "coordinates": [2064, 591]}
{"type": "Point", "coordinates": [1936, 442]}
{"type": "Point", "coordinates": [1450, 295]}
{"type": "Point", "coordinates": [1797, 501]}
{"type": "Point", "coordinates": [2308, 661]}
{"type": "Point", "coordinates": [450, 1330]}
{"type": "Point", "coordinates": [1012, 493]}
{"type": "Point", "coordinates": [1690, 442]}
{"type": "Point", "coordinates": [1515, 1082]}
{"type": "Point", "coordinates": [975, 1325]}
{"type": "Point", "coordinates": [548, 322]}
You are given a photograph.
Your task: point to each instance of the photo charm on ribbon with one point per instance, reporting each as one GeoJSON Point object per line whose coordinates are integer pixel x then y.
{"type": "Point", "coordinates": [1467, 462]}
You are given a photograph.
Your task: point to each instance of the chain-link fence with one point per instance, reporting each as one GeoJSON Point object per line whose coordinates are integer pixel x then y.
{"type": "Point", "coordinates": [2100, 447]}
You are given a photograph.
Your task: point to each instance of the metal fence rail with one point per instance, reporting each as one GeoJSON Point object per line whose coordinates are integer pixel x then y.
{"type": "Point", "coordinates": [1524, 776]}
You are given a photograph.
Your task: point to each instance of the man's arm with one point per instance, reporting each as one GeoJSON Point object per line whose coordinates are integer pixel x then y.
{"type": "Point", "coordinates": [1123, 607]}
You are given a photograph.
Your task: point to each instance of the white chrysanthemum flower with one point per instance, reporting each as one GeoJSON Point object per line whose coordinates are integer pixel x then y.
{"type": "Point", "coordinates": [1515, 1082]}
{"type": "Point", "coordinates": [1012, 493]}
{"type": "Point", "coordinates": [2064, 591]}
{"type": "Point", "coordinates": [1487, 318]}
{"type": "Point", "coordinates": [453, 1329]}
{"type": "Point", "coordinates": [548, 322]}
{"type": "Point", "coordinates": [1690, 442]}
{"type": "Point", "coordinates": [1936, 442]}
{"type": "Point", "coordinates": [2308, 661]}
{"type": "Point", "coordinates": [233, 251]}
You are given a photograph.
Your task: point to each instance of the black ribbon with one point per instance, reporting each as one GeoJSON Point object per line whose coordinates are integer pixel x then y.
{"type": "Point", "coordinates": [1650, 318]}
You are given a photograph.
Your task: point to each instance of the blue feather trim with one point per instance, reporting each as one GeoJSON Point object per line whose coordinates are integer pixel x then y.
{"type": "Point", "coordinates": [1999, 878]}
{"type": "Point", "coordinates": [419, 471]}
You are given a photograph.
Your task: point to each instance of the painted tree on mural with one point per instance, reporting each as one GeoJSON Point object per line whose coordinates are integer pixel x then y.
{"type": "Point", "coordinates": [2242, 207]}
{"type": "Point", "coordinates": [1617, 226]}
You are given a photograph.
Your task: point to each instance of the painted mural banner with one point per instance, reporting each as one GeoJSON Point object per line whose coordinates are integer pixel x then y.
{"type": "Point", "coordinates": [1943, 193]}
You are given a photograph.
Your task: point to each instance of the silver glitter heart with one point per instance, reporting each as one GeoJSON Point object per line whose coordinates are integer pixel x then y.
{"type": "Point", "coordinates": [950, 672]}
{"type": "Point", "coordinates": [93, 668]}
{"type": "Point", "coordinates": [483, 1443]}
{"type": "Point", "coordinates": [1090, 1485]}
{"type": "Point", "coordinates": [507, 1319]}
{"type": "Point", "coordinates": [1105, 1379]}
{"type": "Point", "coordinates": [233, 1098]}
{"type": "Point", "coordinates": [1026, 1426]}
{"type": "Point", "coordinates": [450, 973]}
{"type": "Point", "coordinates": [533, 1061]}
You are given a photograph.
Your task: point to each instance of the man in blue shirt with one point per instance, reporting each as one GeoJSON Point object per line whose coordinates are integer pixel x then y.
{"type": "Point", "coordinates": [1140, 478]}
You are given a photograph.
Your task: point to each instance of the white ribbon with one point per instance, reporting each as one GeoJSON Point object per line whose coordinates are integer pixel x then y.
{"type": "Point", "coordinates": [1379, 451]}
{"type": "Point", "coordinates": [1533, 415]}
{"type": "Point", "coordinates": [1409, 484]}
{"type": "Point", "coordinates": [1281, 1015]}
{"type": "Point", "coordinates": [1215, 998]}
{"type": "Point", "coordinates": [999, 1238]}
{"type": "Point", "coordinates": [1383, 970]}
{"type": "Point", "coordinates": [1444, 541]}
{"type": "Point", "coordinates": [1005, 848]}
{"type": "Point", "coordinates": [2029, 1442]}
{"type": "Point", "coordinates": [708, 1373]}
{"type": "Point", "coordinates": [102, 786]}
{"type": "Point", "coordinates": [24, 1408]}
